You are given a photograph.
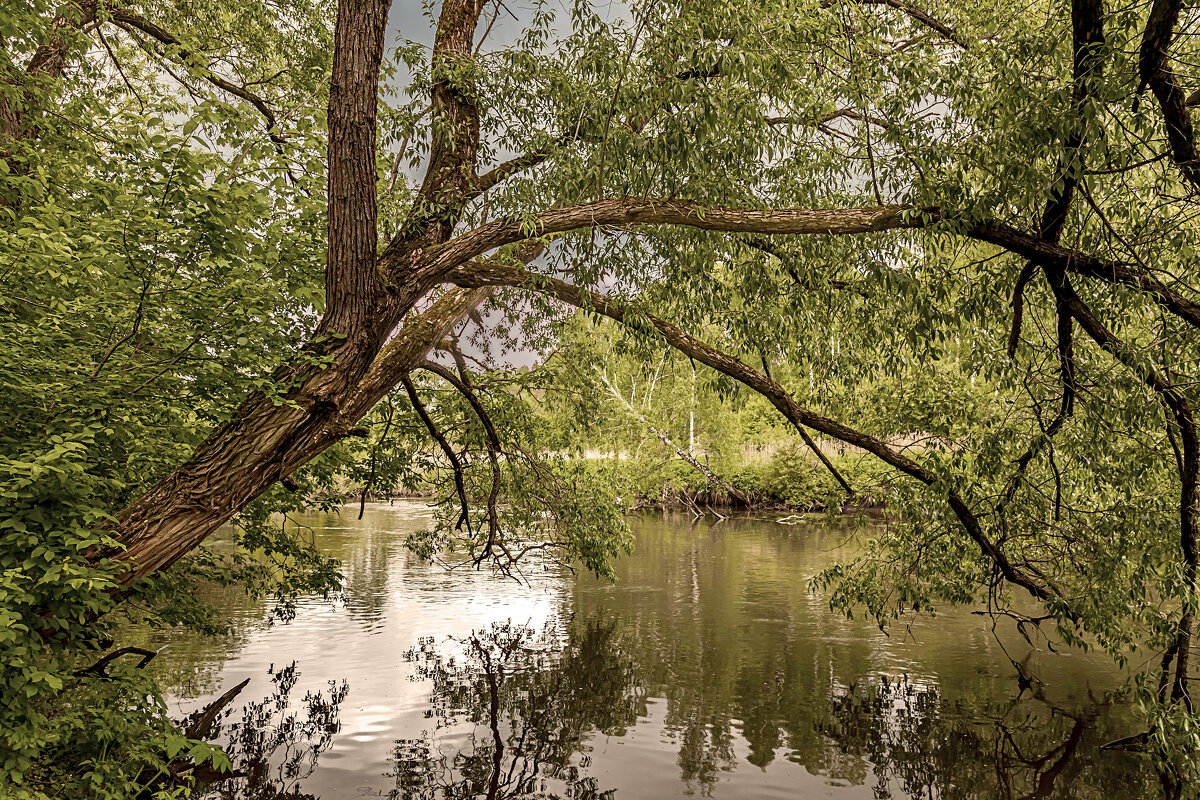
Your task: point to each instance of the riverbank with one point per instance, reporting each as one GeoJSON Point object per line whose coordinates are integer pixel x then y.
{"type": "Point", "coordinates": [786, 479]}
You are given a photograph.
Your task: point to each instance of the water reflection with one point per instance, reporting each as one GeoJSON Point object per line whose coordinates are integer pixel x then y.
{"type": "Point", "coordinates": [515, 719]}
{"type": "Point", "coordinates": [530, 704]}
{"type": "Point", "coordinates": [275, 748]}
{"type": "Point", "coordinates": [707, 670]}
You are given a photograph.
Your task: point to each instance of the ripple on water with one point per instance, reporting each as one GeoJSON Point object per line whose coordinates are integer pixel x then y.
{"type": "Point", "coordinates": [708, 668]}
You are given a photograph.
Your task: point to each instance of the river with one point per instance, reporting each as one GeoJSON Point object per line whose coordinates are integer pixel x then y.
{"type": "Point", "coordinates": [708, 669]}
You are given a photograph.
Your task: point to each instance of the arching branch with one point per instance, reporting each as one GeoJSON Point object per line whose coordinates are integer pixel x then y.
{"type": "Point", "coordinates": [778, 397]}
{"type": "Point", "coordinates": [100, 668]}
{"type": "Point", "coordinates": [439, 262]}
{"type": "Point", "coordinates": [632, 211]}
{"type": "Point", "coordinates": [1083, 264]}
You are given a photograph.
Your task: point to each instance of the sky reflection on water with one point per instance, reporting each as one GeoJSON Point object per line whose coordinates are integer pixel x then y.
{"type": "Point", "coordinates": [708, 670]}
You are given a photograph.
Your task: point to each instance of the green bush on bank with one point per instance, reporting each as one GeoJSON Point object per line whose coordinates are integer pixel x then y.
{"type": "Point", "coordinates": [791, 477]}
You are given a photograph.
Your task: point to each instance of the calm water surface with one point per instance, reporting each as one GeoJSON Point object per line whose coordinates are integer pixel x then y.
{"type": "Point", "coordinates": [708, 669]}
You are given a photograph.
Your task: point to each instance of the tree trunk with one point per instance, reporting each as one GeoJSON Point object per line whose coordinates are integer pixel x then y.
{"type": "Point", "coordinates": [264, 443]}
{"type": "Point", "coordinates": [345, 368]}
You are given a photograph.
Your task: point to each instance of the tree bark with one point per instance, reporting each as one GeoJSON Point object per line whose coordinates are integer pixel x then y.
{"type": "Point", "coordinates": [260, 444]}
{"type": "Point", "coordinates": [243, 458]}
{"type": "Point", "coordinates": [342, 371]}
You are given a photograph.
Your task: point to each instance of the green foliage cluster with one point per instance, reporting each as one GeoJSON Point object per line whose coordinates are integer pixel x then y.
{"type": "Point", "coordinates": [133, 320]}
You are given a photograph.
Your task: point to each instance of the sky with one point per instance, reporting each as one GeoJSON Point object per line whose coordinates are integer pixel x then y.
{"type": "Point", "coordinates": [414, 21]}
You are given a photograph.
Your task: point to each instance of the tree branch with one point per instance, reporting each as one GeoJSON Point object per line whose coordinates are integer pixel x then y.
{"type": "Point", "coordinates": [1087, 31]}
{"type": "Point", "coordinates": [493, 447]}
{"type": "Point", "coordinates": [772, 249]}
{"type": "Point", "coordinates": [350, 278]}
{"type": "Point", "coordinates": [370, 481]}
{"type": "Point", "coordinates": [733, 491]}
{"type": "Point", "coordinates": [937, 26]}
{"type": "Point", "coordinates": [451, 456]}
{"type": "Point", "coordinates": [1154, 70]}
{"type": "Point", "coordinates": [50, 59]}
{"type": "Point", "coordinates": [48, 62]}
{"type": "Point", "coordinates": [199, 724]}
{"type": "Point", "coordinates": [439, 262]}
{"type": "Point", "coordinates": [824, 459]}
{"type": "Point", "coordinates": [631, 211]}
{"type": "Point", "coordinates": [452, 154]}
{"type": "Point", "coordinates": [778, 397]}
{"type": "Point", "coordinates": [100, 668]}
{"type": "Point", "coordinates": [824, 119]}
{"type": "Point", "coordinates": [128, 21]}
{"type": "Point", "coordinates": [407, 350]}
{"type": "Point", "coordinates": [1086, 265]}
{"type": "Point", "coordinates": [502, 171]}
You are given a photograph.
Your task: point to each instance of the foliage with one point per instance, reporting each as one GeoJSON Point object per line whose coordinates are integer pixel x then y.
{"type": "Point", "coordinates": [163, 241]}
{"type": "Point", "coordinates": [132, 321]}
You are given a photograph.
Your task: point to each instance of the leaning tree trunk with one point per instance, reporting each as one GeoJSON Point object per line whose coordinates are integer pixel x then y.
{"type": "Point", "coordinates": [245, 455]}
{"type": "Point", "coordinates": [265, 443]}
{"type": "Point", "coordinates": [367, 295]}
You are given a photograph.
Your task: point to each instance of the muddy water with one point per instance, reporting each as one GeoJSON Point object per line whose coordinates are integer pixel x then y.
{"type": "Point", "coordinates": [708, 669]}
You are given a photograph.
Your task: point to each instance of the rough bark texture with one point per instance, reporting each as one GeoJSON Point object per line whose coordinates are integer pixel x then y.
{"type": "Point", "coordinates": [244, 456]}
{"type": "Point", "coordinates": [1154, 68]}
{"type": "Point", "coordinates": [176, 515]}
{"type": "Point", "coordinates": [270, 436]}
{"type": "Point", "coordinates": [631, 211]}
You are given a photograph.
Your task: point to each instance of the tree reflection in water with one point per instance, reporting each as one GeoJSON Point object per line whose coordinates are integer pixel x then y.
{"type": "Point", "coordinates": [531, 700]}
{"type": "Point", "coordinates": [1028, 750]}
{"type": "Point", "coordinates": [274, 748]}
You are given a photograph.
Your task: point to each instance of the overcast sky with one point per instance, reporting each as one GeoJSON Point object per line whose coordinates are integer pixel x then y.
{"type": "Point", "coordinates": [412, 20]}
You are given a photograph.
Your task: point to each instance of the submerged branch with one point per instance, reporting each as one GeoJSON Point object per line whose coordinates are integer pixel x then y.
{"type": "Point", "coordinates": [732, 490]}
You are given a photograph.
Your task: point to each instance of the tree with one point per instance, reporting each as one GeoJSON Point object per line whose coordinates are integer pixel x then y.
{"type": "Point", "coordinates": [757, 160]}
